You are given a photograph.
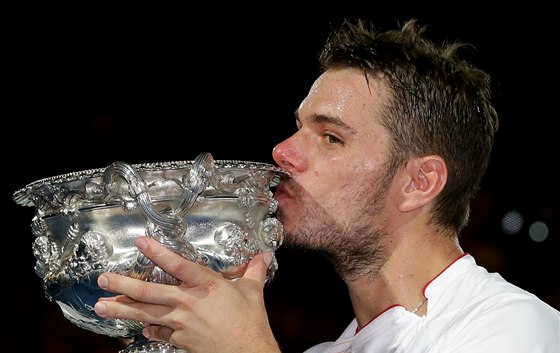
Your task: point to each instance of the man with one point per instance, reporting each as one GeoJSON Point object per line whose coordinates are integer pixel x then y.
{"type": "Point", "coordinates": [392, 142]}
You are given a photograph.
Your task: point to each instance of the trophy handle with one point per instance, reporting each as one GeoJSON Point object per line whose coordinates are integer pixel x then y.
{"type": "Point", "coordinates": [166, 227]}
{"type": "Point", "coordinates": [199, 178]}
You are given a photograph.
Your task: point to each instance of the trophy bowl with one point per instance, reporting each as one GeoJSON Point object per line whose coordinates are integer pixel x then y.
{"type": "Point", "coordinates": [218, 213]}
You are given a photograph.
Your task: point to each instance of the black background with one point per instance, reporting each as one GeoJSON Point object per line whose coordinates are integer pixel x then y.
{"type": "Point", "coordinates": [86, 87]}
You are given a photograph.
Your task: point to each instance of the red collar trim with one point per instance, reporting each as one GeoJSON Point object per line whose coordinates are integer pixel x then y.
{"type": "Point", "coordinates": [358, 329]}
{"type": "Point", "coordinates": [442, 271]}
{"type": "Point", "coordinates": [376, 316]}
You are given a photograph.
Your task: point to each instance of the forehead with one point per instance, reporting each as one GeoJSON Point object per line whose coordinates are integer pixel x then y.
{"type": "Point", "coordinates": [347, 94]}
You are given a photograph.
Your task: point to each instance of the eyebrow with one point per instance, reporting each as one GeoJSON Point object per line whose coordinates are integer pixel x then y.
{"type": "Point", "coordinates": [325, 119]}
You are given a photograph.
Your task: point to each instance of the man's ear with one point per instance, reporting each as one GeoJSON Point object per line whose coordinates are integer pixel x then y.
{"type": "Point", "coordinates": [424, 178]}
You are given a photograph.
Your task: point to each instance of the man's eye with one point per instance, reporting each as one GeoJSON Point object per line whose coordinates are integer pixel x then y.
{"type": "Point", "coordinates": [333, 139]}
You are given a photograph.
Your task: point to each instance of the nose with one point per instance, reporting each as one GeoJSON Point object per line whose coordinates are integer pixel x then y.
{"type": "Point", "coordinates": [289, 156]}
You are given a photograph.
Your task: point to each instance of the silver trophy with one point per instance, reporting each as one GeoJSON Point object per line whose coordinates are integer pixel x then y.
{"type": "Point", "coordinates": [218, 213]}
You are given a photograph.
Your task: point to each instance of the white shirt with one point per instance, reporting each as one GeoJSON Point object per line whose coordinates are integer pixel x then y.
{"type": "Point", "coordinates": [469, 311]}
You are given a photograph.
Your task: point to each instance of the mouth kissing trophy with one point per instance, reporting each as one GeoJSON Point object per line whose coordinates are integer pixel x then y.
{"type": "Point", "coordinates": [218, 213]}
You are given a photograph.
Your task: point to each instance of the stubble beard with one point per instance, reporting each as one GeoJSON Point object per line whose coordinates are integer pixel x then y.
{"type": "Point", "coordinates": [354, 246]}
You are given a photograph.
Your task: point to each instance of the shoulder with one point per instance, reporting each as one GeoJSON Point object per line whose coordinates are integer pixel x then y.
{"type": "Point", "coordinates": [477, 311]}
{"type": "Point", "coordinates": [514, 308]}
{"type": "Point", "coordinates": [513, 325]}
{"type": "Point", "coordinates": [502, 317]}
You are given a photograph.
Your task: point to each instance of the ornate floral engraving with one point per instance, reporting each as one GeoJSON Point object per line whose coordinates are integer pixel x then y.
{"type": "Point", "coordinates": [218, 213]}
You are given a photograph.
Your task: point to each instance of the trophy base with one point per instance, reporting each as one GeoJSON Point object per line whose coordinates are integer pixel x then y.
{"type": "Point", "coordinates": [143, 345]}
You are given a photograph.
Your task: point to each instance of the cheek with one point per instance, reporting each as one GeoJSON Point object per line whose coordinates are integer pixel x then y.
{"type": "Point", "coordinates": [368, 166]}
{"type": "Point", "coordinates": [351, 170]}
{"type": "Point", "coordinates": [346, 180]}
{"type": "Point", "coordinates": [329, 180]}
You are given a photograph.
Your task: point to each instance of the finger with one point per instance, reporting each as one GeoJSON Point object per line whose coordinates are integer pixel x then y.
{"type": "Point", "coordinates": [132, 289]}
{"type": "Point", "coordinates": [258, 267]}
{"type": "Point", "coordinates": [117, 298]}
{"type": "Point", "coordinates": [157, 333]}
{"type": "Point", "coordinates": [190, 273]}
{"type": "Point", "coordinates": [137, 311]}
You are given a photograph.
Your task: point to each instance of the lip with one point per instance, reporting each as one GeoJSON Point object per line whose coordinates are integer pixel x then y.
{"type": "Point", "coordinates": [282, 191]}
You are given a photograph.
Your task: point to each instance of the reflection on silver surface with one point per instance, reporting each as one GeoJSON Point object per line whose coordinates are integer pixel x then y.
{"type": "Point", "coordinates": [218, 213]}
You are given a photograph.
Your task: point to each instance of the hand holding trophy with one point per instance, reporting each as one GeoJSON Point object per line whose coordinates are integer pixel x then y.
{"type": "Point", "coordinates": [218, 213]}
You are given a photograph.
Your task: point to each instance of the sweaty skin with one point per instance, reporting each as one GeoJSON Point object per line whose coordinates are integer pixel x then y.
{"type": "Point", "coordinates": [342, 200]}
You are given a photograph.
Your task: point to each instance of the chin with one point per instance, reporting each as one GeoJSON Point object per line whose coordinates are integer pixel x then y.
{"type": "Point", "coordinates": [285, 220]}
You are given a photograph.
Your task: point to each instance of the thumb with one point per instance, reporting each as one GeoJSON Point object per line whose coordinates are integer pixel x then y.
{"type": "Point", "coordinates": [257, 268]}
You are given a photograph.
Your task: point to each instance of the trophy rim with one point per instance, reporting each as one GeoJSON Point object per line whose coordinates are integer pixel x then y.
{"type": "Point", "coordinates": [21, 196]}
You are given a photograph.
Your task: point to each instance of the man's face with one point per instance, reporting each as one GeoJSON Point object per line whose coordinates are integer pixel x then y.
{"type": "Point", "coordinates": [337, 161]}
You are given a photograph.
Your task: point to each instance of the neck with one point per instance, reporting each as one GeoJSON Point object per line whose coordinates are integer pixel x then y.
{"type": "Point", "coordinates": [414, 261]}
